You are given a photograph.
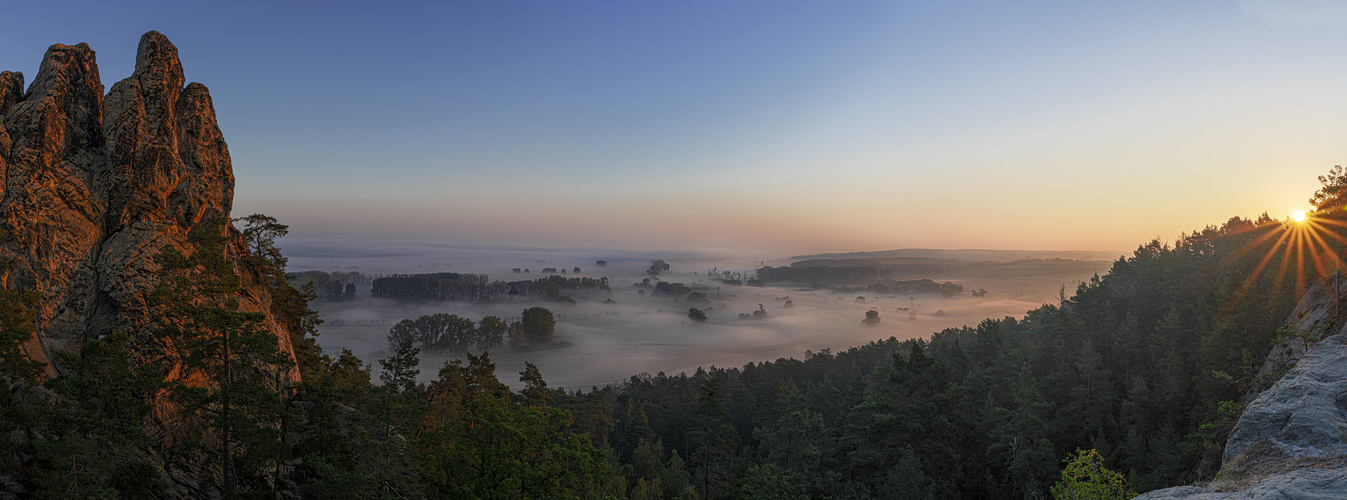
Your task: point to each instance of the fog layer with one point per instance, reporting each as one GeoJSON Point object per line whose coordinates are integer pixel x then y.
{"type": "Point", "coordinates": [643, 333]}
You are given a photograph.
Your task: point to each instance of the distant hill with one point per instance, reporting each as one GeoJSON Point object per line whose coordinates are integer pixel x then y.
{"type": "Point", "coordinates": [970, 255]}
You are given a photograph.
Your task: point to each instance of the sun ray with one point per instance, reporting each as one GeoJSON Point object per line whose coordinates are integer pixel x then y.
{"type": "Point", "coordinates": [1262, 265]}
{"type": "Point", "coordinates": [1331, 222]}
{"type": "Point", "coordinates": [1330, 256]}
{"type": "Point", "coordinates": [1320, 231]}
{"type": "Point", "coordinates": [1300, 260]}
{"type": "Point", "coordinates": [1309, 242]}
{"type": "Point", "coordinates": [1271, 231]}
{"type": "Point", "coordinates": [1286, 256]}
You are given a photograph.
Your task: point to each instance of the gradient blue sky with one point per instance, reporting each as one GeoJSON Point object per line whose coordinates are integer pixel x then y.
{"type": "Point", "coordinates": [802, 125]}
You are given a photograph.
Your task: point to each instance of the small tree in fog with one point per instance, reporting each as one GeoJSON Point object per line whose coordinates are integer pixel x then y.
{"type": "Point", "coordinates": [538, 324]}
{"type": "Point", "coordinates": [657, 267]}
{"type": "Point", "coordinates": [490, 332]}
{"type": "Point", "coordinates": [515, 335]}
{"type": "Point", "coordinates": [871, 318]}
{"type": "Point", "coordinates": [335, 290]}
{"type": "Point", "coordinates": [697, 315]}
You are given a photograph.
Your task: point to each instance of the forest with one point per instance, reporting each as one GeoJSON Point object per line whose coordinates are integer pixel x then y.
{"type": "Point", "coordinates": [478, 287]}
{"type": "Point", "coordinates": [1141, 370]}
{"type": "Point", "coordinates": [449, 333]}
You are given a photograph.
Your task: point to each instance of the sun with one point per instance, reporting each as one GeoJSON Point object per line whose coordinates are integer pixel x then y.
{"type": "Point", "coordinates": [1299, 216]}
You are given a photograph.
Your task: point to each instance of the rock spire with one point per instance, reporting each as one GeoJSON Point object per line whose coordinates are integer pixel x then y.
{"type": "Point", "coordinates": [96, 186]}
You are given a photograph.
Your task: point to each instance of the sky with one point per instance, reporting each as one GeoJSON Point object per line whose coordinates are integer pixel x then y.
{"type": "Point", "coordinates": [802, 125]}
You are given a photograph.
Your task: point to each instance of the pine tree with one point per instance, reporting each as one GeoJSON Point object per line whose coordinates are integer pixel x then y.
{"type": "Point", "coordinates": [793, 444]}
{"type": "Point", "coordinates": [93, 433]}
{"type": "Point", "coordinates": [17, 372]}
{"type": "Point", "coordinates": [399, 383]}
{"type": "Point", "coordinates": [240, 400]}
{"type": "Point", "coordinates": [715, 440]}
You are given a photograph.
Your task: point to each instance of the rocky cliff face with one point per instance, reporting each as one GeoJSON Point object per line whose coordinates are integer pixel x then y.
{"type": "Point", "coordinates": [96, 186]}
{"type": "Point", "coordinates": [1291, 440]}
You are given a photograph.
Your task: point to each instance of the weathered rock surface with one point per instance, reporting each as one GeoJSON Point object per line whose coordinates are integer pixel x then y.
{"type": "Point", "coordinates": [96, 186]}
{"type": "Point", "coordinates": [1307, 408]}
{"type": "Point", "coordinates": [1291, 440]}
{"type": "Point", "coordinates": [1325, 484]}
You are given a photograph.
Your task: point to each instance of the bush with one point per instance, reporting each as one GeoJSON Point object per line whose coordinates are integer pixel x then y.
{"type": "Point", "coordinates": [697, 315]}
{"type": "Point", "coordinates": [1085, 478]}
{"type": "Point", "coordinates": [538, 325]}
{"type": "Point", "coordinates": [871, 318]}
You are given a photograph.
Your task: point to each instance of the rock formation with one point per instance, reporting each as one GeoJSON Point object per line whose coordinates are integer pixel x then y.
{"type": "Point", "coordinates": [1291, 440]}
{"type": "Point", "coordinates": [96, 186]}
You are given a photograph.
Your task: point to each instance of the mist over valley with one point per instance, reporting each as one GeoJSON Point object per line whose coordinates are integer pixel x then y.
{"type": "Point", "coordinates": [607, 336]}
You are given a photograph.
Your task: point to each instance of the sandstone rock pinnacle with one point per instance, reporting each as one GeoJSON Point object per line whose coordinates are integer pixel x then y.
{"type": "Point", "coordinates": [96, 186]}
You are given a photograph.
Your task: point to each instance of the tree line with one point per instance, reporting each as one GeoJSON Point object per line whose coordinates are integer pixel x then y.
{"type": "Point", "coordinates": [451, 334]}
{"type": "Point", "coordinates": [336, 285]}
{"type": "Point", "coordinates": [478, 287]}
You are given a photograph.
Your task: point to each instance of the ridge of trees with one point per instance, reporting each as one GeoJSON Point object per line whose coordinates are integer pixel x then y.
{"type": "Point", "coordinates": [478, 287]}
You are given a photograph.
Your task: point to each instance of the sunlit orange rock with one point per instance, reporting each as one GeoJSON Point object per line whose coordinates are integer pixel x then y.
{"type": "Point", "coordinates": [96, 186]}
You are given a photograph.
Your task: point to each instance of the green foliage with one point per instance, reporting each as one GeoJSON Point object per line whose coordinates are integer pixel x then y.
{"type": "Point", "coordinates": [915, 407]}
{"type": "Point", "coordinates": [92, 430]}
{"type": "Point", "coordinates": [537, 325]}
{"type": "Point", "coordinates": [767, 482]}
{"type": "Point", "coordinates": [449, 333]}
{"type": "Point", "coordinates": [716, 439]}
{"type": "Point", "coordinates": [1333, 191]}
{"type": "Point", "coordinates": [438, 333]}
{"type": "Point", "coordinates": [1135, 365]}
{"type": "Point", "coordinates": [515, 334]}
{"type": "Point", "coordinates": [491, 332]}
{"type": "Point", "coordinates": [230, 362]}
{"type": "Point", "coordinates": [473, 287]}
{"type": "Point", "coordinates": [463, 436]}
{"type": "Point", "coordinates": [17, 313]}
{"type": "Point", "coordinates": [289, 304]}
{"type": "Point", "coordinates": [906, 479]}
{"type": "Point", "coordinates": [535, 391]}
{"type": "Point", "coordinates": [1086, 478]}
{"type": "Point", "coordinates": [482, 443]}
{"type": "Point", "coordinates": [793, 446]}
{"type": "Point", "coordinates": [399, 387]}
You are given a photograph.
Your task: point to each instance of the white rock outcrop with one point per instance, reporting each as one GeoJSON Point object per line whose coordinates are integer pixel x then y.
{"type": "Point", "coordinates": [1291, 440]}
